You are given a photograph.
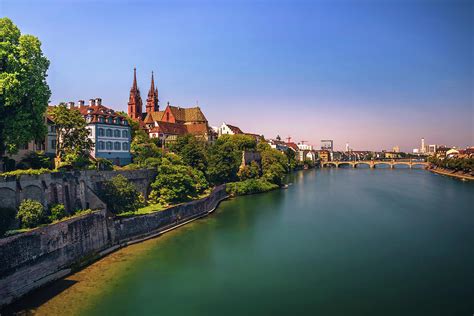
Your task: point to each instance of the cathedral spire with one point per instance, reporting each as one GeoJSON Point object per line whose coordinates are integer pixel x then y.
{"type": "Point", "coordinates": [135, 100]}
{"type": "Point", "coordinates": [152, 100]}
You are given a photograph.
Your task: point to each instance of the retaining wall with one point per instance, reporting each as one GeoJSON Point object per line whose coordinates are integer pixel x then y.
{"type": "Point", "coordinates": [37, 257]}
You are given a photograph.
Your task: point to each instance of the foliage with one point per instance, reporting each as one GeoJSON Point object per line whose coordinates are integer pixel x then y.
{"type": "Point", "coordinates": [57, 212]}
{"type": "Point", "coordinates": [103, 164]}
{"type": "Point", "coordinates": [24, 92]}
{"type": "Point", "coordinates": [72, 136]}
{"type": "Point", "coordinates": [249, 186]}
{"type": "Point", "coordinates": [142, 147]}
{"type": "Point", "coordinates": [191, 150]}
{"type": "Point", "coordinates": [7, 217]}
{"type": "Point", "coordinates": [223, 162]}
{"type": "Point", "coordinates": [251, 171]}
{"type": "Point", "coordinates": [37, 160]}
{"type": "Point", "coordinates": [291, 159]}
{"type": "Point", "coordinates": [456, 164]}
{"type": "Point", "coordinates": [120, 195]}
{"type": "Point", "coordinates": [21, 172]}
{"type": "Point", "coordinates": [274, 164]}
{"type": "Point", "coordinates": [177, 183]}
{"type": "Point", "coordinates": [31, 213]}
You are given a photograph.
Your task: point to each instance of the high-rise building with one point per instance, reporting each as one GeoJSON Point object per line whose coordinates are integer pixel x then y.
{"type": "Point", "coordinates": [347, 147]}
{"type": "Point", "coordinates": [327, 144]}
{"type": "Point", "coordinates": [396, 149]}
{"type": "Point", "coordinates": [423, 148]}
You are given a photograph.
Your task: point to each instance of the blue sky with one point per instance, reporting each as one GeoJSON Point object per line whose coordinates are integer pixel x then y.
{"type": "Point", "coordinates": [372, 73]}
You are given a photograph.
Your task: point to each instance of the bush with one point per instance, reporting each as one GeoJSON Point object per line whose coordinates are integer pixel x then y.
{"type": "Point", "coordinates": [36, 160]}
{"type": "Point", "coordinates": [7, 216]}
{"type": "Point", "coordinates": [120, 195]}
{"type": "Point", "coordinates": [250, 186]}
{"type": "Point", "coordinates": [57, 212]}
{"type": "Point", "coordinates": [103, 164]}
{"type": "Point", "coordinates": [18, 173]}
{"type": "Point", "coordinates": [31, 213]}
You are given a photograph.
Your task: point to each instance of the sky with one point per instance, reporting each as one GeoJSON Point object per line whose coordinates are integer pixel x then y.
{"type": "Point", "coordinates": [375, 74]}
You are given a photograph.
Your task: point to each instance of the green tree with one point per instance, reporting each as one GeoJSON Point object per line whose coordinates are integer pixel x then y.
{"type": "Point", "coordinates": [223, 162]}
{"type": "Point", "coordinates": [251, 171]}
{"type": "Point", "coordinates": [191, 150]}
{"type": "Point", "coordinates": [274, 163]}
{"type": "Point", "coordinates": [120, 195]}
{"type": "Point", "coordinates": [142, 148]}
{"type": "Point", "coordinates": [24, 93]}
{"type": "Point", "coordinates": [31, 213]}
{"type": "Point", "coordinates": [176, 183]}
{"type": "Point", "coordinates": [72, 135]}
{"type": "Point", "coordinates": [36, 160]}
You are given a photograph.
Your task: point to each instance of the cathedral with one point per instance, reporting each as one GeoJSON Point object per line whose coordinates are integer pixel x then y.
{"type": "Point", "coordinates": [169, 123]}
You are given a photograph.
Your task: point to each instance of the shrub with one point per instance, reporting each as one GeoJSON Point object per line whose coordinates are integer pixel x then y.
{"type": "Point", "coordinates": [36, 160]}
{"type": "Point", "coordinates": [31, 213]}
{"type": "Point", "coordinates": [7, 216]}
{"type": "Point", "coordinates": [120, 195]}
{"type": "Point", "coordinates": [103, 164]}
{"type": "Point", "coordinates": [25, 172]}
{"type": "Point", "coordinates": [249, 186]}
{"type": "Point", "coordinates": [57, 212]}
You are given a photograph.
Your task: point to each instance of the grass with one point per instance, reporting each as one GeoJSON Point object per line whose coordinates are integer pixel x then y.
{"type": "Point", "coordinates": [144, 210]}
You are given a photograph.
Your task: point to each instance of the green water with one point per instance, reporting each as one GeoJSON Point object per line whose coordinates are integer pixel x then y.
{"type": "Point", "coordinates": [337, 242]}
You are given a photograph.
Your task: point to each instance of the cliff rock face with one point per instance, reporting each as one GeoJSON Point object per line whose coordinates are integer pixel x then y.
{"type": "Point", "coordinates": [34, 258]}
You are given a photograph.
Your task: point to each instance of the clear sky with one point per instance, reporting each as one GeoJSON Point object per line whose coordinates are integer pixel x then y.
{"type": "Point", "coordinates": [372, 73]}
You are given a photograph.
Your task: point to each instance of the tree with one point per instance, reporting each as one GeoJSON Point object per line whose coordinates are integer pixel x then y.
{"type": "Point", "coordinates": [31, 213]}
{"type": "Point", "coordinates": [191, 151]}
{"type": "Point", "coordinates": [223, 162]}
{"type": "Point", "coordinates": [36, 160]}
{"type": "Point", "coordinates": [176, 183]}
{"type": "Point", "coordinates": [24, 93]}
{"type": "Point", "coordinates": [142, 147]}
{"type": "Point", "coordinates": [274, 163]}
{"type": "Point", "coordinates": [251, 171]}
{"type": "Point", "coordinates": [72, 135]}
{"type": "Point", "coordinates": [120, 195]}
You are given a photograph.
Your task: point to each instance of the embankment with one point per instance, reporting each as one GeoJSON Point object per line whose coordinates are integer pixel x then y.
{"type": "Point", "coordinates": [35, 258]}
{"type": "Point", "coordinates": [451, 173]}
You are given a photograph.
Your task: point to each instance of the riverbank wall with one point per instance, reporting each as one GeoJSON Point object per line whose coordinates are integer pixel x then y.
{"type": "Point", "coordinates": [450, 173]}
{"type": "Point", "coordinates": [32, 259]}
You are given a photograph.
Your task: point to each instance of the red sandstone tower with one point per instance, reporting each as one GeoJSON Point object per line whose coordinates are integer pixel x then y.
{"type": "Point", "coordinates": [152, 100]}
{"type": "Point", "coordinates": [135, 101]}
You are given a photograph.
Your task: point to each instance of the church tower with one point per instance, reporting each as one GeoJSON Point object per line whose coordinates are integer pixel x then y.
{"type": "Point", "coordinates": [135, 101]}
{"type": "Point", "coordinates": [152, 100]}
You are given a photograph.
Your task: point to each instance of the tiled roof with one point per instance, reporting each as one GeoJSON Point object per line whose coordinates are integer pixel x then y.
{"type": "Point", "coordinates": [154, 116]}
{"type": "Point", "coordinates": [197, 129]}
{"type": "Point", "coordinates": [292, 146]}
{"type": "Point", "coordinates": [187, 114]}
{"type": "Point", "coordinates": [235, 129]}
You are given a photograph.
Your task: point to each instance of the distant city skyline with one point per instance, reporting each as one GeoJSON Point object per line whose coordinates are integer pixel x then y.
{"type": "Point", "coordinates": [375, 74]}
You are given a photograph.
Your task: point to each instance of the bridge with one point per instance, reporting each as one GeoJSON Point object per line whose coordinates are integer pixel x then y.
{"type": "Point", "coordinates": [373, 163]}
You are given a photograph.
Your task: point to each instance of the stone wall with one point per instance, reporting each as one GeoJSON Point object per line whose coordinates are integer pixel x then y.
{"type": "Point", "coordinates": [32, 259]}
{"type": "Point", "coordinates": [76, 190]}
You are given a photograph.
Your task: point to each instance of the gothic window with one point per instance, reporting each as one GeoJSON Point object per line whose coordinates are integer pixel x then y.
{"type": "Point", "coordinates": [124, 134]}
{"type": "Point", "coordinates": [109, 145]}
{"type": "Point", "coordinates": [116, 146]}
{"type": "Point", "coordinates": [101, 132]}
{"type": "Point", "coordinates": [124, 146]}
{"type": "Point", "coordinates": [116, 133]}
{"type": "Point", "coordinates": [109, 132]}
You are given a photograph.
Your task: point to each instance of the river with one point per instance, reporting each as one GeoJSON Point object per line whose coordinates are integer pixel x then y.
{"type": "Point", "coordinates": [336, 242]}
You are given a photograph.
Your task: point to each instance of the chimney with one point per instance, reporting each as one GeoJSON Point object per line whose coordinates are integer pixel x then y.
{"type": "Point", "coordinates": [91, 102]}
{"type": "Point", "coordinates": [80, 103]}
{"type": "Point", "coordinates": [98, 101]}
{"type": "Point", "coordinates": [70, 105]}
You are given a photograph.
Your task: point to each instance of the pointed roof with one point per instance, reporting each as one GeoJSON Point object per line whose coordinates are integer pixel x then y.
{"type": "Point", "coordinates": [134, 85]}
{"type": "Point", "coordinates": [152, 87]}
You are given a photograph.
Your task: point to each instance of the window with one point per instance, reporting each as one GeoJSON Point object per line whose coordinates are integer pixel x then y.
{"type": "Point", "coordinates": [108, 132]}
{"type": "Point", "coordinates": [109, 145]}
{"type": "Point", "coordinates": [101, 132]}
{"type": "Point", "coordinates": [101, 146]}
{"type": "Point", "coordinates": [116, 133]}
{"type": "Point", "coordinates": [125, 122]}
{"type": "Point", "coordinates": [116, 146]}
{"type": "Point", "coordinates": [110, 120]}
{"type": "Point", "coordinates": [88, 118]}
{"type": "Point", "coordinates": [53, 144]}
{"type": "Point", "coordinates": [125, 134]}
{"type": "Point", "coordinates": [101, 119]}
{"type": "Point", "coordinates": [124, 146]}
{"type": "Point", "coordinates": [53, 129]}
